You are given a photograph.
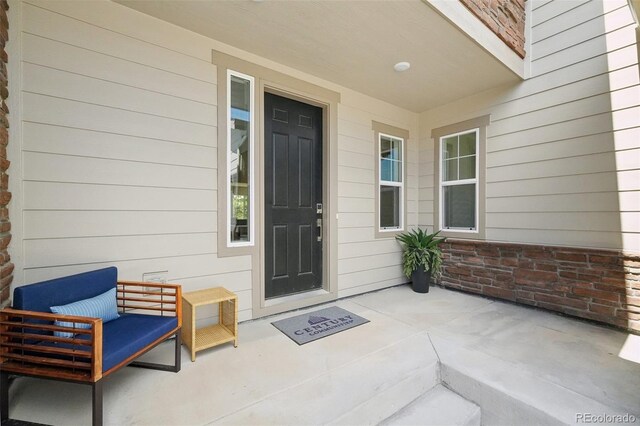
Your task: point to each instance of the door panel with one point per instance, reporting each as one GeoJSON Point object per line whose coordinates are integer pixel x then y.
{"type": "Point", "coordinates": [281, 251]}
{"type": "Point", "coordinates": [305, 252]}
{"type": "Point", "coordinates": [280, 184]}
{"type": "Point", "coordinates": [293, 189]}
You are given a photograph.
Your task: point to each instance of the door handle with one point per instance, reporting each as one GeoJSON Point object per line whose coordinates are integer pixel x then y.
{"type": "Point", "coordinates": [319, 225]}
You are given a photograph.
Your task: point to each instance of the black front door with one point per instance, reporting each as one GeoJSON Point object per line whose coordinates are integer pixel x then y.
{"type": "Point", "coordinates": [293, 196]}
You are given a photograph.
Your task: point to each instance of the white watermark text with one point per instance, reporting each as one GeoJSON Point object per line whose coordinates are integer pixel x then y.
{"type": "Point", "coordinates": [605, 418]}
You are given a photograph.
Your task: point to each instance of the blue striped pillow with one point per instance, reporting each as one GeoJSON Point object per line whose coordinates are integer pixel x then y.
{"type": "Point", "coordinates": [102, 306]}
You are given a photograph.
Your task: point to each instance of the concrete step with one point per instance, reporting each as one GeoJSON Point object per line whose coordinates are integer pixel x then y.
{"type": "Point", "coordinates": [440, 406]}
{"type": "Point", "coordinates": [364, 392]}
{"type": "Point", "coordinates": [508, 395]}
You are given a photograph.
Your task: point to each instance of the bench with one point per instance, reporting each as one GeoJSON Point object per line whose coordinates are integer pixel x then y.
{"type": "Point", "coordinates": [38, 343]}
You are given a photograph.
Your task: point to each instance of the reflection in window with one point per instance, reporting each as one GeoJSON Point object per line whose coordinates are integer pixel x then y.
{"type": "Point", "coordinates": [391, 184]}
{"type": "Point", "coordinates": [459, 180]}
{"type": "Point", "coordinates": [239, 157]}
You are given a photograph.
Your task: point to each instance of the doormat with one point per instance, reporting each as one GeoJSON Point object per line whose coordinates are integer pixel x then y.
{"type": "Point", "coordinates": [315, 325]}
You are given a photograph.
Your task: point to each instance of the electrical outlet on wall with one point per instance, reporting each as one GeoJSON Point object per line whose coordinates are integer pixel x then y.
{"type": "Point", "coordinates": [157, 277]}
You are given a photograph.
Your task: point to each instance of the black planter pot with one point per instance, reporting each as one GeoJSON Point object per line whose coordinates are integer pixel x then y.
{"type": "Point", "coordinates": [420, 281]}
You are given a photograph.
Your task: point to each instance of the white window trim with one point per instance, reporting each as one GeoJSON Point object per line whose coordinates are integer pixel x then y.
{"type": "Point", "coordinates": [251, 224]}
{"type": "Point", "coordinates": [442, 183]}
{"type": "Point", "coordinates": [391, 183]}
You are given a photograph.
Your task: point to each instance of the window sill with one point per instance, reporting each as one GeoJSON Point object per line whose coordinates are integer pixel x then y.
{"type": "Point", "coordinates": [388, 234]}
{"type": "Point", "coordinates": [464, 235]}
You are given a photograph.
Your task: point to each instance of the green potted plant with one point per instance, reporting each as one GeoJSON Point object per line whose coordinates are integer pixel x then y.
{"type": "Point", "coordinates": [421, 257]}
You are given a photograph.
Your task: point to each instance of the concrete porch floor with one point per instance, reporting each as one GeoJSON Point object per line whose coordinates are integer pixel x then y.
{"type": "Point", "coordinates": [518, 364]}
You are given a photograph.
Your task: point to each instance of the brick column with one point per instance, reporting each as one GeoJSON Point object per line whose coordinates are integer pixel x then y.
{"type": "Point", "coordinates": [6, 267]}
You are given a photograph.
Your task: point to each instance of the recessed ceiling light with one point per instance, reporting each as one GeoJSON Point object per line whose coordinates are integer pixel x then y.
{"type": "Point", "coordinates": [402, 66]}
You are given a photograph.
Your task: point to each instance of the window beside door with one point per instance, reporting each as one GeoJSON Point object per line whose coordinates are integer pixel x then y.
{"type": "Point", "coordinates": [240, 146]}
{"type": "Point", "coordinates": [391, 183]}
{"type": "Point", "coordinates": [390, 172]}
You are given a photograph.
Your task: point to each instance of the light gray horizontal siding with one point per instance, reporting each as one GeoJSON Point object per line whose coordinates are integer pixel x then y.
{"type": "Point", "coordinates": [567, 166]}
{"type": "Point", "coordinates": [356, 190]}
{"type": "Point", "coordinates": [66, 85]}
{"type": "Point", "coordinates": [573, 184]}
{"type": "Point", "coordinates": [612, 201]}
{"type": "Point", "coordinates": [45, 224]}
{"type": "Point", "coordinates": [197, 266]}
{"type": "Point", "coordinates": [366, 249]}
{"type": "Point", "coordinates": [85, 62]}
{"type": "Point", "coordinates": [119, 152]}
{"type": "Point", "coordinates": [355, 234]}
{"type": "Point", "coordinates": [560, 237]}
{"type": "Point", "coordinates": [77, 196]}
{"type": "Point", "coordinates": [584, 31]}
{"type": "Point", "coordinates": [45, 109]}
{"type": "Point", "coordinates": [554, 9]}
{"type": "Point", "coordinates": [75, 169]}
{"type": "Point", "coordinates": [563, 157]}
{"type": "Point", "coordinates": [616, 39]}
{"type": "Point", "coordinates": [580, 12]}
{"type": "Point", "coordinates": [355, 160]}
{"type": "Point", "coordinates": [566, 221]}
{"type": "Point", "coordinates": [567, 112]}
{"type": "Point", "coordinates": [355, 175]}
{"type": "Point", "coordinates": [360, 264]}
{"type": "Point", "coordinates": [592, 144]}
{"type": "Point", "coordinates": [605, 122]}
{"type": "Point", "coordinates": [359, 252]}
{"type": "Point", "coordinates": [602, 64]}
{"type": "Point", "coordinates": [570, 92]}
{"type": "Point", "coordinates": [536, 4]}
{"type": "Point", "coordinates": [373, 286]}
{"type": "Point", "coordinates": [53, 139]}
{"type": "Point", "coordinates": [69, 251]}
{"type": "Point", "coordinates": [356, 220]}
{"type": "Point", "coordinates": [359, 146]}
{"type": "Point", "coordinates": [354, 205]}
{"type": "Point", "coordinates": [38, 19]}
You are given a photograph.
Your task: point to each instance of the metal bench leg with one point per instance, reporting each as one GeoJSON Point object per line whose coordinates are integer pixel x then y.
{"type": "Point", "coordinates": [4, 396]}
{"type": "Point", "coordinates": [96, 408]}
{"type": "Point", "coordinates": [163, 367]}
{"type": "Point", "coordinates": [178, 349]}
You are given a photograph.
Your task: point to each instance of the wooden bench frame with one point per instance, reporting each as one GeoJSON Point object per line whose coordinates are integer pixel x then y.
{"type": "Point", "coordinates": [82, 363]}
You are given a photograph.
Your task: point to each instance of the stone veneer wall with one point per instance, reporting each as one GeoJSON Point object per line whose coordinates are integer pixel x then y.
{"type": "Point", "coordinates": [600, 285]}
{"type": "Point", "coordinates": [6, 267]}
{"type": "Point", "coordinates": [505, 18]}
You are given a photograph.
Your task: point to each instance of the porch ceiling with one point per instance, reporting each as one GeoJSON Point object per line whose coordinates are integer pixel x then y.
{"type": "Point", "coordinates": [351, 43]}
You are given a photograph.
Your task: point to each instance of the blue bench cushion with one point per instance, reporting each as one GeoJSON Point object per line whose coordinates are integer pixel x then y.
{"type": "Point", "coordinates": [129, 334]}
{"type": "Point", "coordinates": [42, 296]}
{"type": "Point", "coordinates": [123, 337]}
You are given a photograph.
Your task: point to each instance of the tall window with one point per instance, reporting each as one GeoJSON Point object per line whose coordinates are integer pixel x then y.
{"type": "Point", "coordinates": [391, 183]}
{"type": "Point", "coordinates": [459, 181]}
{"type": "Point", "coordinates": [240, 141]}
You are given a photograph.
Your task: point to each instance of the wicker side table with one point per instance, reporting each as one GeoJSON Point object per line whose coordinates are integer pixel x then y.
{"type": "Point", "coordinates": [225, 331]}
